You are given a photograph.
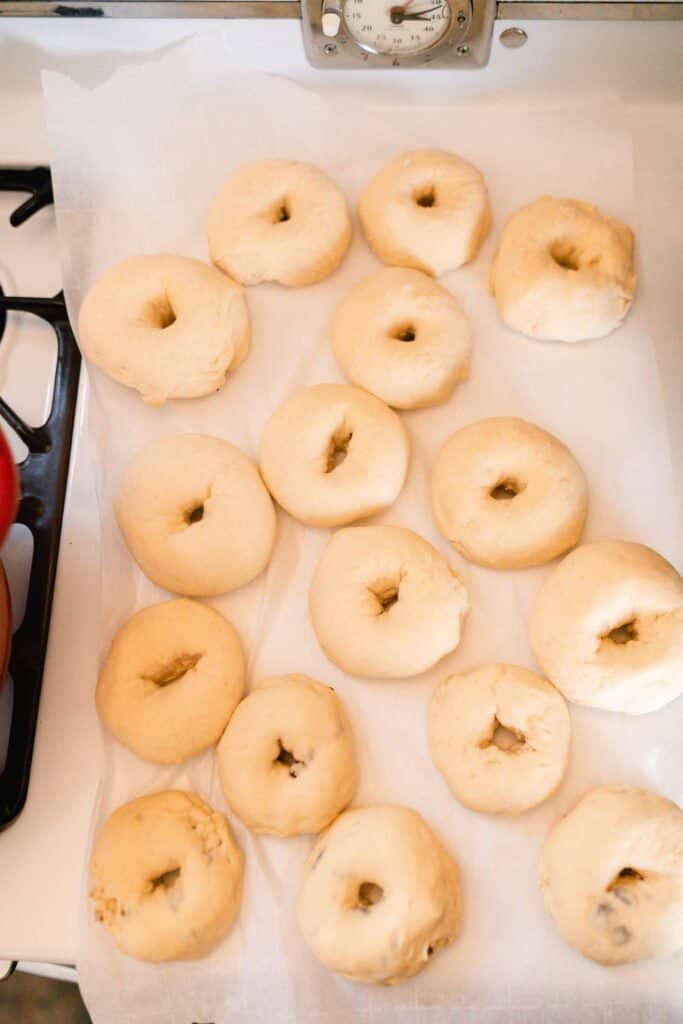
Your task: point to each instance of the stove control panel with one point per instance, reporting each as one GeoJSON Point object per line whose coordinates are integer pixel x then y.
{"type": "Point", "coordinates": [398, 33]}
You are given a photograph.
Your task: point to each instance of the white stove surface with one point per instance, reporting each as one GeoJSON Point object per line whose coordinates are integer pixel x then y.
{"type": "Point", "coordinates": [42, 853]}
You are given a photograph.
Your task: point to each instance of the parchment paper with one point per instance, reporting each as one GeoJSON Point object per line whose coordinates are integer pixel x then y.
{"type": "Point", "coordinates": [136, 162]}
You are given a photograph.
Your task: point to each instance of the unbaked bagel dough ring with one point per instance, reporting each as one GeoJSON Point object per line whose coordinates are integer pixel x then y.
{"type": "Point", "coordinates": [384, 603]}
{"type": "Point", "coordinates": [563, 271]}
{"type": "Point", "coordinates": [500, 737]}
{"type": "Point", "coordinates": [611, 872]}
{"type": "Point", "coordinates": [166, 877]}
{"type": "Point", "coordinates": [286, 761]}
{"type": "Point", "coordinates": [607, 628]}
{"type": "Point", "coordinates": [196, 515]}
{"type": "Point", "coordinates": [279, 220]}
{"type": "Point", "coordinates": [168, 326]}
{"type": "Point", "coordinates": [332, 454]}
{"type": "Point", "coordinates": [171, 680]}
{"type": "Point", "coordinates": [380, 895]}
{"type": "Point", "coordinates": [507, 494]}
{"type": "Point", "coordinates": [402, 336]}
{"type": "Point", "coordinates": [427, 209]}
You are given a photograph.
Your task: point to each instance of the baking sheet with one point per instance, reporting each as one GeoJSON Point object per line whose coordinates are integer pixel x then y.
{"type": "Point", "coordinates": [136, 162]}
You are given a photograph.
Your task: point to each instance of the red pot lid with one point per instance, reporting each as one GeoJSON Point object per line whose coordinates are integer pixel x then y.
{"type": "Point", "coordinates": [9, 488]}
{"type": "Point", "coordinates": [5, 625]}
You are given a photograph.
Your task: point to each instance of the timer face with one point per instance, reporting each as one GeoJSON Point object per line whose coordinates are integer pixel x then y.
{"type": "Point", "coordinates": [383, 26]}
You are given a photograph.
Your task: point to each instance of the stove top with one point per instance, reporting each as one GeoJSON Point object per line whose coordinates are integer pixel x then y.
{"type": "Point", "coordinates": [39, 370]}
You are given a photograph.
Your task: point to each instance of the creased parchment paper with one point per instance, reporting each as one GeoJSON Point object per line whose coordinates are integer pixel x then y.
{"type": "Point", "coordinates": [136, 162]}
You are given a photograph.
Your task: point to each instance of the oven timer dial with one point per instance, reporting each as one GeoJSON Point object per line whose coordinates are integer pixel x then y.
{"type": "Point", "coordinates": [397, 33]}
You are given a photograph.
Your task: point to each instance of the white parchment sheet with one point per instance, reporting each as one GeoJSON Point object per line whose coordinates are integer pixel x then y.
{"type": "Point", "coordinates": [136, 163]}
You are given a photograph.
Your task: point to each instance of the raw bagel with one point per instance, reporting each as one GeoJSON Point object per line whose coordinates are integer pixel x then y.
{"type": "Point", "coordinates": [611, 872]}
{"type": "Point", "coordinates": [173, 677]}
{"type": "Point", "coordinates": [380, 895]}
{"type": "Point", "coordinates": [563, 271]}
{"type": "Point", "coordinates": [402, 336]}
{"type": "Point", "coordinates": [500, 737]}
{"type": "Point", "coordinates": [168, 326]}
{"type": "Point", "coordinates": [279, 220]}
{"type": "Point", "coordinates": [195, 515]}
{"type": "Point", "coordinates": [607, 628]}
{"type": "Point", "coordinates": [507, 494]}
{"type": "Point", "coordinates": [333, 453]}
{"type": "Point", "coordinates": [384, 603]}
{"type": "Point", "coordinates": [286, 761]}
{"type": "Point", "coordinates": [167, 877]}
{"type": "Point", "coordinates": [426, 209]}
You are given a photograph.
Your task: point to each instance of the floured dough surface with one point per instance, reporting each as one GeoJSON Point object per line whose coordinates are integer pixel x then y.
{"type": "Point", "coordinates": [287, 761]}
{"type": "Point", "coordinates": [563, 271]}
{"type": "Point", "coordinates": [611, 872]}
{"type": "Point", "coordinates": [500, 737]}
{"type": "Point", "coordinates": [380, 895]}
{"type": "Point", "coordinates": [166, 877]}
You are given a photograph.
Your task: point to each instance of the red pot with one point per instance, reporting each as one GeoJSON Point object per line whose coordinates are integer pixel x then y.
{"type": "Point", "coordinates": [9, 488]}
{"type": "Point", "coordinates": [5, 626]}
{"type": "Point", "coordinates": [9, 498]}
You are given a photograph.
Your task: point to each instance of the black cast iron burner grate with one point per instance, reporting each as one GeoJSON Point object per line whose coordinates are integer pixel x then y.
{"type": "Point", "coordinates": [43, 476]}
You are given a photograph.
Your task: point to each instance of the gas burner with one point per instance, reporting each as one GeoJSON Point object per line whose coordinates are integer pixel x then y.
{"type": "Point", "coordinates": [35, 180]}
{"type": "Point", "coordinates": [43, 475]}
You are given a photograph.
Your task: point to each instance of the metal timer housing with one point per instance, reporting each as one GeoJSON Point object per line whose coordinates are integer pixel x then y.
{"type": "Point", "coordinates": [397, 33]}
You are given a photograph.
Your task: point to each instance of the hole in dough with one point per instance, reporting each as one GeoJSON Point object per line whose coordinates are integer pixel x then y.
{"type": "Point", "coordinates": [404, 333]}
{"type": "Point", "coordinates": [565, 255]}
{"type": "Point", "coordinates": [286, 757]}
{"type": "Point", "coordinates": [282, 212]}
{"type": "Point", "coordinates": [165, 881]}
{"type": "Point", "coordinates": [178, 668]}
{"type": "Point", "coordinates": [159, 313]}
{"type": "Point", "coordinates": [427, 197]}
{"type": "Point", "coordinates": [369, 893]}
{"type": "Point", "coordinates": [338, 449]}
{"type": "Point", "coordinates": [505, 490]}
{"type": "Point", "coordinates": [502, 736]}
{"type": "Point", "coordinates": [430, 950]}
{"type": "Point", "coordinates": [194, 515]}
{"type": "Point", "coordinates": [386, 593]}
{"type": "Point", "coordinates": [622, 634]}
{"type": "Point", "coordinates": [627, 876]}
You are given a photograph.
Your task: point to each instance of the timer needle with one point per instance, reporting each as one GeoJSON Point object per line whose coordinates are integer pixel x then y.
{"type": "Point", "coordinates": [399, 14]}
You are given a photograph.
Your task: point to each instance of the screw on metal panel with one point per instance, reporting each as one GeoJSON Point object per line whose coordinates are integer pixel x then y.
{"type": "Point", "coordinates": [329, 49]}
{"type": "Point", "coordinates": [463, 51]}
{"type": "Point", "coordinates": [513, 38]}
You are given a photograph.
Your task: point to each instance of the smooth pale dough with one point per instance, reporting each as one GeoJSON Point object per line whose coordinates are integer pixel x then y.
{"type": "Point", "coordinates": [384, 603]}
{"type": "Point", "coordinates": [427, 209]}
{"type": "Point", "coordinates": [403, 336]}
{"type": "Point", "coordinates": [287, 762]}
{"type": "Point", "coordinates": [611, 872]}
{"type": "Point", "coordinates": [279, 220]}
{"type": "Point", "coordinates": [333, 453]}
{"type": "Point", "coordinates": [507, 494]}
{"type": "Point", "coordinates": [380, 895]}
{"type": "Point", "coordinates": [171, 680]}
{"type": "Point", "coordinates": [563, 271]}
{"type": "Point", "coordinates": [196, 515]}
{"type": "Point", "coordinates": [492, 772]}
{"type": "Point", "coordinates": [607, 628]}
{"type": "Point", "coordinates": [168, 326]}
{"type": "Point", "coordinates": [166, 877]}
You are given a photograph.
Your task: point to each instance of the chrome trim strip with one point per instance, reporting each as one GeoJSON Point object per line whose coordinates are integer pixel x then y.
{"type": "Point", "coordinates": [616, 10]}
{"type": "Point", "coordinates": [151, 8]}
